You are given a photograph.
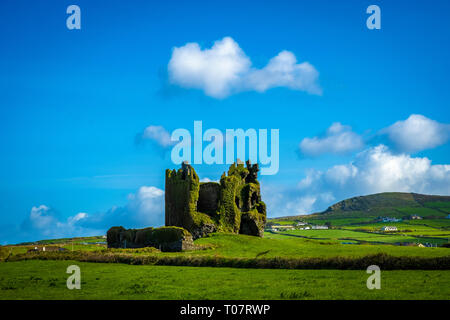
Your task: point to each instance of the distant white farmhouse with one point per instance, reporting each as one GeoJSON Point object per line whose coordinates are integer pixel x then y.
{"type": "Point", "coordinates": [319, 227]}
{"type": "Point", "coordinates": [282, 228]}
{"type": "Point", "coordinates": [416, 217]}
{"type": "Point", "coordinates": [301, 223]}
{"type": "Point", "coordinates": [389, 228]}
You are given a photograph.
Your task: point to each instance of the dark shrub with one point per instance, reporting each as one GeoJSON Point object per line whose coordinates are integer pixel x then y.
{"type": "Point", "coordinates": [4, 253]}
{"type": "Point", "coordinates": [113, 236]}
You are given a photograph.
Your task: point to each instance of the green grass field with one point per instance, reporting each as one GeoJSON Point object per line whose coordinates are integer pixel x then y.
{"type": "Point", "coordinates": [47, 280]}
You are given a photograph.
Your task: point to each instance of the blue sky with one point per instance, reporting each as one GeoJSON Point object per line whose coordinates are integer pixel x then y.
{"type": "Point", "coordinates": [72, 103]}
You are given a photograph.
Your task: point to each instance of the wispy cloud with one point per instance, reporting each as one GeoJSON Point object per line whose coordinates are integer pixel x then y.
{"type": "Point", "coordinates": [157, 134]}
{"type": "Point", "coordinates": [339, 139]}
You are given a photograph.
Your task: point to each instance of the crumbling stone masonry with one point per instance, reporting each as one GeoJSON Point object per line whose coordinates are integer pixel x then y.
{"type": "Point", "coordinates": [164, 238]}
{"type": "Point", "coordinates": [233, 205]}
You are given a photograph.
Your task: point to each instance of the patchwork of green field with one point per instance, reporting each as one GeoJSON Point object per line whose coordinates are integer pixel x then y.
{"type": "Point", "coordinates": [438, 204]}
{"type": "Point", "coordinates": [430, 230]}
{"type": "Point", "coordinates": [443, 224]}
{"type": "Point", "coordinates": [320, 220]}
{"type": "Point", "coordinates": [289, 246]}
{"type": "Point", "coordinates": [435, 231]}
{"type": "Point", "coordinates": [284, 222]}
{"type": "Point", "coordinates": [47, 280]}
{"type": "Point", "coordinates": [407, 228]}
{"type": "Point", "coordinates": [78, 240]}
{"type": "Point", "coordinates": [18, 249]}
{"type": "Point", "coordinates": [342, 222]}
{"type": "Point", "coordinates": [423, 211]}
{"type": "Point", "coordinates": [230, 245]}
{"type": "Point", "coordinates": [340, 234]}
{"type": "Point", "coordinates": [327, 234]}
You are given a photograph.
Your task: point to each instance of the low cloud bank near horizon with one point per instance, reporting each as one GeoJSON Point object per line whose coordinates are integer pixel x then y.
{"type": "Point", "coordinates": [374, 170]}
{"type": "Point", "coordinates": [143, 208]}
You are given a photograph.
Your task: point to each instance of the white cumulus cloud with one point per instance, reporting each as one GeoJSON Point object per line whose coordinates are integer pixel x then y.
{"type": "Point", "coordinates": [147, 205]}
{"type": "Point", "coordinates": [417, 133]}
{"type": "Point", "coordinates": [225, 69]}
{"type": "Point", "coordinates": [338, 139]}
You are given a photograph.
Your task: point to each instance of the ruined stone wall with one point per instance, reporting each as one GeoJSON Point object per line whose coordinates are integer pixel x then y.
{"type": "Point", "coordinates": [164, 238]}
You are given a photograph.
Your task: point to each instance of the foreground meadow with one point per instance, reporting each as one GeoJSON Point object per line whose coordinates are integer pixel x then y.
{"type": "Point", "coordinates": [47, 280]}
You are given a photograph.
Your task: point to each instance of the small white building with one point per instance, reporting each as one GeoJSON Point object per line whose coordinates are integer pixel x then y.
{"type": "Point", "coordinates": [389, 228]}
{"type": "Point", "coordinates": [301, 223]}
{"type": "Point", "coordinates": [282, 228]}
{"type": "Point", "coordinates": [318, 227]}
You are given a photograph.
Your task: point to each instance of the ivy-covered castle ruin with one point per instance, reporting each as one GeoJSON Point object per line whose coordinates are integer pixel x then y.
{"type": "Point", "coordinates": [232, 205]}
{"type": "Point", "coordinates": [193, 209]}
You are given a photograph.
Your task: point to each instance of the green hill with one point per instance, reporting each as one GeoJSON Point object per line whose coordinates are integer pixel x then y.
{"type": "Point", "coordinates": [387, 204]}
{"type": "Point", "coordinates": [395, 204]}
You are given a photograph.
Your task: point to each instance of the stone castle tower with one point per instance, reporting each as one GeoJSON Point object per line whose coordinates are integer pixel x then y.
{"type": "Point", "coordinates": [233, 205]}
